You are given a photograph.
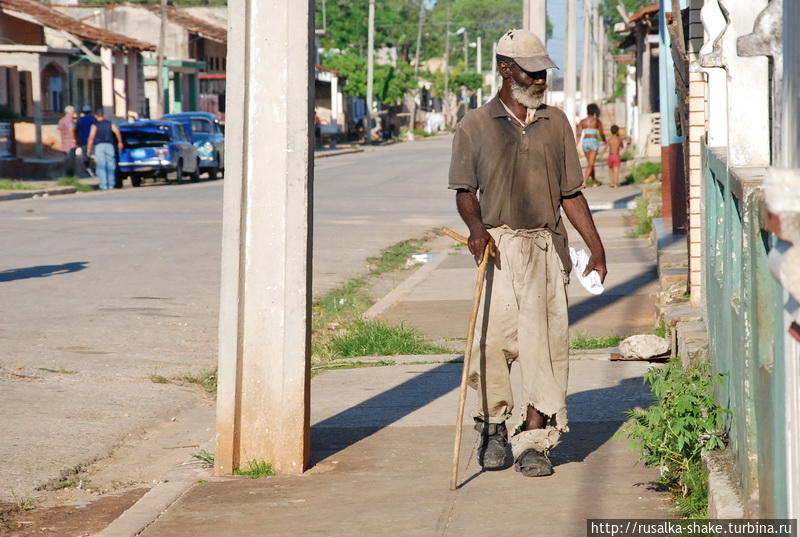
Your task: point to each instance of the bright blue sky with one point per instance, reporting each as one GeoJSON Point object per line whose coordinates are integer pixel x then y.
{"type": "Point", "coordinates": [556, 46]}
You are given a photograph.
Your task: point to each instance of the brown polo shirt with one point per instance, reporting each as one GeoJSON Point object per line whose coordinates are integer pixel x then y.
{"type": "Point", "coordinates": [520, 173]}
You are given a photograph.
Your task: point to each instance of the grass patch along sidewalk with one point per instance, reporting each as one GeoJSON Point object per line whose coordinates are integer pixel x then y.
{"type": "Point", "coordinates": [364, 337]}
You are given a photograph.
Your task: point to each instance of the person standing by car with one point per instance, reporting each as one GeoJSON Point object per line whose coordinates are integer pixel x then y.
{"type": "Point", "coordinates": [101, 141]}
{"type": "Point", "coordinates": [85, 123]}
{"type": "Point", "coordinates": [66, 129]}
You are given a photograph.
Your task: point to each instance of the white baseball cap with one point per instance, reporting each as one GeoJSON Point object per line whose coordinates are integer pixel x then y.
{"type": "Point", "coordinates": [526, 49]}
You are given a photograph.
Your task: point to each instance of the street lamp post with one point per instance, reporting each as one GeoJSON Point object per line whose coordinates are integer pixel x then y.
{"type": "Point", "coordinates": [370, 69]}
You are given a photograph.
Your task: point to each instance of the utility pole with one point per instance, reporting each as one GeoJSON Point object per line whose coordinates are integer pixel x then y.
{"type": "Point", "coordinates": [479, 69]}
{"type": "Point", "coordinates": [586, 67]}
{"type": "Point", "coordinates": [535, 18]}
{"type": "Point", "coordinates": [419, 34]}
{"type": "Point", "coordinates": [370, 69]}
{"type": "Point", "coordinates": [597, 67]}
{"type": "Point", "coordinates": [570, 67]}
{"type": "Point", "coordinates": [494, 69]}
{"type": "Point", "coordinates": [412, 120]}
{"type": "Point", "coordinates": [324, 16]}
{"type": "Point", "coordinates": [160, 76]}
{"type": "Point", "coordinates": [447, 55]}
{"type": "Point", "coordinates": [466, 51]}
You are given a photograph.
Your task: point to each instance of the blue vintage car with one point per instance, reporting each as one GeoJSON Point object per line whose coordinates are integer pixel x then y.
{"type": "Point", "coordinates": [154, 149]}
{"type": "Point", "coordinates": [207, 136]}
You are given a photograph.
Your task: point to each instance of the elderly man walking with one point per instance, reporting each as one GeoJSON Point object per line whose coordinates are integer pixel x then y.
{"type": "Point", "coordinates": [519, 156]}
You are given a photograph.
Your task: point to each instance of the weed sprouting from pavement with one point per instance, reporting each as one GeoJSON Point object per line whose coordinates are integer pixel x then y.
{"type": "Point", "coordinates": [205, 457]}
{"type": "Point", "coordinates": [584, 342]}
{"type": "Point", "coordinates": [206, 379]}
{"type": "Point", "coordinates": [255, 470]}
{"type": "Point", "coordinates": [60, 370]}
{"type": "Point", "coordinates": [375, 338]}
{"type": "Point", "coordinates": [158, 379]}
{"type": "Point", "coordinates": [394, 257]}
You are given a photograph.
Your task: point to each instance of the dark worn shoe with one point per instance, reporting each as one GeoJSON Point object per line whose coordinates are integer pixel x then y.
{"type": "Point", "coordinates": [492, 453]}
{"type": "Point", "coordinates": [532, 463]}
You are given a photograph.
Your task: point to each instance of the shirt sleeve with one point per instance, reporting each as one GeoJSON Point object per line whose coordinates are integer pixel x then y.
{"type": "Point", "coordinates": [463, 163]}
{"type": "Point", "coordinates": [571, 175]}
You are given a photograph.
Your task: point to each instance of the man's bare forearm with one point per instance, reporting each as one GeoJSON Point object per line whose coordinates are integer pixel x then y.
{"type": "Point", "coordinates": [470, 210]}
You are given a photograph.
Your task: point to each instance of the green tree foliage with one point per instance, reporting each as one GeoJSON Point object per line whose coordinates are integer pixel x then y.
{"type": "Point", "coordinates": [390, 83]}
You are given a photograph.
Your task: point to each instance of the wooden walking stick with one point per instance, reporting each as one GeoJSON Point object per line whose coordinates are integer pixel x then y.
{"type": "Point", "coordinates": [462, 396]}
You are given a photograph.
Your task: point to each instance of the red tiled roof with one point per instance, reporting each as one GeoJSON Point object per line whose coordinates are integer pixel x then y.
{"type": "Point", "coordinates": [46, 16]}
{"type": "Point", "coordinates": [192, 23]}
{"type": "Point", "coordinates": [647, 10]}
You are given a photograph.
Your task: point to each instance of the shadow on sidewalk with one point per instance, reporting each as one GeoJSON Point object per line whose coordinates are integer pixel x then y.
{"type": "Point", "coordinates": [588, 306]}
{"type": "Point", "coordinates": [364, 419]}
{"type": "Point", "coordinates": [41, 271]}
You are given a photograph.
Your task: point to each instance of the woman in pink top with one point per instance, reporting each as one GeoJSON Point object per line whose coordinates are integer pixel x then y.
{"type": "Point", "coordinates": [66, 128]}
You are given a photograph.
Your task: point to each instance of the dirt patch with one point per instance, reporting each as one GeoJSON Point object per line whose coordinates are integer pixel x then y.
{"type": "Point", "coordinates": [74, 520]}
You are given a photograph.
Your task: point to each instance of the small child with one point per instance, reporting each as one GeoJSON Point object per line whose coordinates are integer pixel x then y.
{"type": "Point", "coordinates": [614, 145]}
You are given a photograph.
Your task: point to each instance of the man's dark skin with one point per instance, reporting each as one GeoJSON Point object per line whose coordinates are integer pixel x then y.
{"type": "Point", "coordinates": [575, 207]}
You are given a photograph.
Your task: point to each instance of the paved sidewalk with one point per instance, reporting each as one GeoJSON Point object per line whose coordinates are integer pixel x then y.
{"type": "Point", "coordinates": [382, 437]}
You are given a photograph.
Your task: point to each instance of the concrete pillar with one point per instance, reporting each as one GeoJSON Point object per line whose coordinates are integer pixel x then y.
{"type": "Point", "coordinates": [710, 61]}
{"type": "Point", "coordinates": [264, 333]}
{"type": "Point", "coordinates": [597, 54]}
{"type": "Point", "coordinates": [586, 63]}
{"type": "Point", "coordinates": [748, 95]}
{"type": "Point", "coordinates": [645, 99]}
{"type": "Point", "coordinates": [535, 18]}
{"type": "Point", "coordinates": [36, 99]}
{"type": "Point", "coordinates": [696, 131]}
{"type": "Point", "coordinates": [132, 85]}
{"type": "Point", "coordinates": [14, 90]}
{"type": "Point", "coordinates": [120, 76]}
{"type": "Point", "coordinates": [334, 100]}
{"type": "Point", "coordinates": [570, 69]}
{"type": "Point", "coordinates": [107, 81]}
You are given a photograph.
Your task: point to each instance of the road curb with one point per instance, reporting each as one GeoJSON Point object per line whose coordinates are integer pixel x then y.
{"type": "Point", "coordinates": [406, 286]}
{"type": "Point", "coordinates": [337, 153]}
{"type": "Point", "coordinates": [38, 193]}
{"type": "Point", "coordinates": [155, 502]}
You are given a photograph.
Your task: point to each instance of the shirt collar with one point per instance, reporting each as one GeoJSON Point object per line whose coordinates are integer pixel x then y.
{"type": "Point", "coordinates": [498, 109]}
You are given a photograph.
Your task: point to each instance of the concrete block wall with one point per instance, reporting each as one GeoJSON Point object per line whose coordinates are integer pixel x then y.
{"type": "Point", "coordinates": [697, 127]}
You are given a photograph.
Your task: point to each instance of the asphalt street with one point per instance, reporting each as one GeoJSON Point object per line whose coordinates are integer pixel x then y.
{"type": "Point", "coordinates": [100, 292]}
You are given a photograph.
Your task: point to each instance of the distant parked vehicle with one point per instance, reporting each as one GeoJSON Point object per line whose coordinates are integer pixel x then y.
{"type": "Point", "coordinates": [208, 137]}
{"type": "Point", "coordinates": [154, 149]}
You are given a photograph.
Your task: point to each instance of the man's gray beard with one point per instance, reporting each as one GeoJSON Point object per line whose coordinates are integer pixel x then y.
{"type": "Point", "coordinates": [530, 97]}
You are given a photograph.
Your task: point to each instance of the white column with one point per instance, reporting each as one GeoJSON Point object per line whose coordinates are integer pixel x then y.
{"type": "Point", "coordinates": [36, 97]}
{"type": "Point", "coordinates": [120, 97]}
{"type": "Point", "coordinates": [370, 70]}
{"type": "Point", "coordinates": [132, 84]}
{"type": "Point", "coordinates": [264, 333]}
{"type": "Point", "coordinates": [479, 69]}
{"type": "Point", "coordinates": [586, 63]}
{"type": "Point", "coordinates": [494, 70]}
{"type": "Point", "coordinates": [107, 81]}
{"type": "Point", "coordinates": [570, 68]}
{"type": "Point", "coordinates": [597, 54]}
{"type": "Point", "coordinates": [535, 18]}
{"type": "Point", "coordinates": [335, 100]}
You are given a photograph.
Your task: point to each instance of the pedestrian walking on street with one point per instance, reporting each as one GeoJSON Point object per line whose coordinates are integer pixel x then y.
{"type": "Point", "coordinates": [519, 155]}
{"type": "Point", "coordinates": [103, 136]}
{"type": "Point", "coordinates": [66, 129]}
{"type": "Point", "coordinates": [85, 122]}
{"type": "Point", "coordinates": [614, 146]}
{"type": "Point", "coordinates": [591, 127]}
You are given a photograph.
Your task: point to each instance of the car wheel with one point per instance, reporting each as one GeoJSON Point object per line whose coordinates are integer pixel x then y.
{"type": "Point", "coordinates": [179, 171]}
{"type": "Point", "coordinates": [195, 176]}
{"type": "Point", "coordinates": [213, 173]}
{"type": "Point", "coordinates": [136, 180]}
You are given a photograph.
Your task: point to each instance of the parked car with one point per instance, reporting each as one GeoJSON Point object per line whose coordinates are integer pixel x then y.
{"type": "Point", "coordinates": [154, 149]}
{"type": "Point", "coordinates": [208, 137]}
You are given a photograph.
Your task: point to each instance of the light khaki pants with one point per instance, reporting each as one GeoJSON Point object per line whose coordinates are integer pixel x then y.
{"type": "Point", "coordinates": [523, 317]}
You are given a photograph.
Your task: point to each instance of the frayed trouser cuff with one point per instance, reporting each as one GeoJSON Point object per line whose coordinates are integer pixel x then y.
{"type": "Point", "coordinates": [539, 439]}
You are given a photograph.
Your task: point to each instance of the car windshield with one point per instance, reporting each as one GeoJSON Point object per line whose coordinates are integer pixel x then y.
{"type": "Point", "coordinates": [145, 138]}
{"type": "Point", "coordinates": [202, 126]}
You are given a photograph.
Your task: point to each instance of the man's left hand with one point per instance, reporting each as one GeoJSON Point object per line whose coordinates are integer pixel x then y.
{"type": "Point", "coordinates": [597, 262]}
